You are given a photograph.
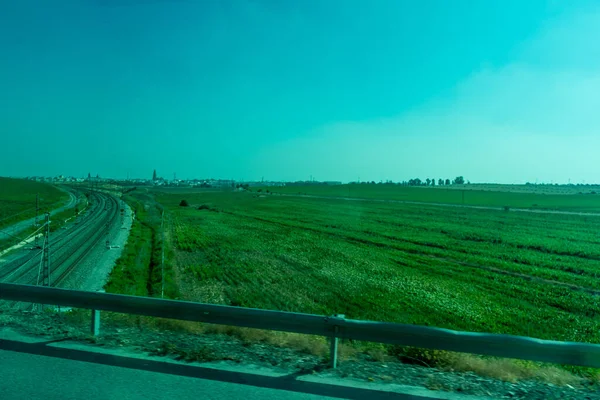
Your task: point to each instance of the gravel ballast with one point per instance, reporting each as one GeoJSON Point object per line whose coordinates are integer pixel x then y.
{"type": "Point", "coordinates": [92, 273]}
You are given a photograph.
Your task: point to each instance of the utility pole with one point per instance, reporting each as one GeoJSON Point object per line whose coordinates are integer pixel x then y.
{"type": "Point", "coordinates": [162, 261]}
{"type": "Point", "coordinates": [37, 209]}
{"type": "Point", "coordinates": [107, 226]}
{"type": "Point", "coordinates": [46, 256]}
{"type": "Point", "coordinates": [107, 241]}
{"type": "Point", "coordinates": [122, 211]}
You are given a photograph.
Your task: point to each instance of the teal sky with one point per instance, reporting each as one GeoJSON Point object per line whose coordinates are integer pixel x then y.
{"type": "Point", "coordinates": [496, 91]}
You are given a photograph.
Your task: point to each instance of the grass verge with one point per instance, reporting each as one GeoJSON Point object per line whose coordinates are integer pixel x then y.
{"type": "Point", "coordinates": [138, 270]}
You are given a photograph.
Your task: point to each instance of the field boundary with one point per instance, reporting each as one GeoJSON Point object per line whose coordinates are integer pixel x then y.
{"type": "Point", "coordinates": [425, 203]}
{"type": "Point", "coordinates": [334, 327]}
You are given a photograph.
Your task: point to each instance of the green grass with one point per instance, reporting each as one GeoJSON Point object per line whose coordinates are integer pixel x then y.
{"type": "Point", "coordinates": [17, 199]}
{"type": "Point", "coordinates": [138, 270]}
{"type": "Point", "coordinates": [573, 202]}
{"type": "Point", "coordinates": [428, 265]}
{"type": "Point", "coordinates": [467, 269]}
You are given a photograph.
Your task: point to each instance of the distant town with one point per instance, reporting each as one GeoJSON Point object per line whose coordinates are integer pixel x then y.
{"type": "Point", "coordinates": [160, 181]}
{"type": "Point", "coordinates": [231, 183]}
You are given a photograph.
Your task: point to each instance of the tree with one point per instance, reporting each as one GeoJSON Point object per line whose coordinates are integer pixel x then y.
{"type": "Point", "coordinates": [447, 182]}
{"type": "Point", "coordinates": [154, 175]}
{"type": "Point", "coordinates": [440, 182]}
{"type": "Point", "coordinates": [184, 203]}
{"type": "Point", "coordinates": [433, 182]}
{"type": "Point", "coordinates": [428, 181]}
{"type": "Point", "coordinates": [459, 180]}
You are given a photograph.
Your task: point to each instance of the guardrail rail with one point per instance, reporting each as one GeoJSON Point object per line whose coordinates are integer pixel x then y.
{"type": "Point", "coordinates": [334, 327]}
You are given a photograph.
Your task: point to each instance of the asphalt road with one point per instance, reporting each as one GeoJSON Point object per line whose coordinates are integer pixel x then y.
{"type": "Point", "coordinates": [42, 368]}
{"type": "Point", "coordinates": [28, 376]}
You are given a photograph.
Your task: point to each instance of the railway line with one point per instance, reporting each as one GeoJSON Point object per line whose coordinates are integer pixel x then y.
{"type": "Point", "coordinates": [67, 248]}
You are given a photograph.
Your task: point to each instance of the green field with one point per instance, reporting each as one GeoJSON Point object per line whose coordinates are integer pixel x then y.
{"type": "Point", "coordinates": [17, 199]}
{"type": "Point", "coordinates": [468, 196]}
{"type": "Point", "coordinates": [467, 269]}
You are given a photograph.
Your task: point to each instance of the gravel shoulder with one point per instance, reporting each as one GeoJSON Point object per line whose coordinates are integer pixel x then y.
{"type": "Point", "coordinates": [224, 351]}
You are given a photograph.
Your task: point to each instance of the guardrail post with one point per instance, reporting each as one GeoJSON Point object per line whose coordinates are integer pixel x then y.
{"type": "Point", "coordinates": [96, 319]}
{"type": "Point", "coordinates": [95, 322]}
{"type": "Point", "coordinates": [333, 350]}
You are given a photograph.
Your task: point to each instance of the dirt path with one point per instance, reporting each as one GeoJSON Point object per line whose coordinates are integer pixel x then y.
{"type": "Point", "coordinates": [527, 210]}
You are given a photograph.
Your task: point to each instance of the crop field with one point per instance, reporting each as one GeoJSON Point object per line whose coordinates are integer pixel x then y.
{"type": "Point", "coordinates": [483, 270]}
{"type": "Point", "coordinates": [531, 188]}
{"type": "Point", "coordinates": [17, 199]}
{"type": "Point", "coordinates": [542, 201]}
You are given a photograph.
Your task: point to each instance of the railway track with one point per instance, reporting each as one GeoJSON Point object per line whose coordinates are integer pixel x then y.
{"type": "Point", "coordinates": [68, 248]}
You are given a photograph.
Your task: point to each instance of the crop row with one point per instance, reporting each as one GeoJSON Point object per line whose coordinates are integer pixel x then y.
{"type": "Point", "coordinates": [393, 262]}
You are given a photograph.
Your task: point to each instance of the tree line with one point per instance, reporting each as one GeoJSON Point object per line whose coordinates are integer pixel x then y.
{"type": "Point", "coordinates": [459, 180]}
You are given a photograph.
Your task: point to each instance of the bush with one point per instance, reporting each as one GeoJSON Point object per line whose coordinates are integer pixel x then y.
{"type": "Point", "coordinates": [506, 208]}
{"type": "Point", "coordinates": [204, 207]}
{"type": "Point", "coordinates": [424, 357]}
{"type": "Point", "coordinates": [184, 203]}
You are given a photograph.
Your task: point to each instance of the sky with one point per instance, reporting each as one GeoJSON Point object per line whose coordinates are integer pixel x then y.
{"type": "Point", "coordinates": [505, 92]}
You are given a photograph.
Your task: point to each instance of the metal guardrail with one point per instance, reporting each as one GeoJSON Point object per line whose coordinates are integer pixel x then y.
{"type": "Point", "coordinates": [334, 327]}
